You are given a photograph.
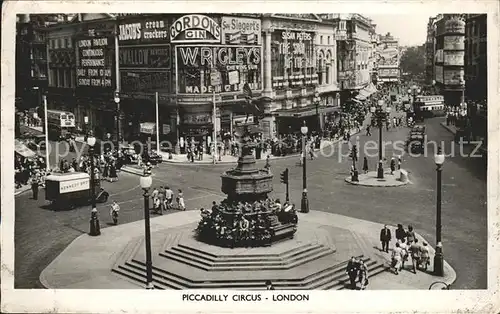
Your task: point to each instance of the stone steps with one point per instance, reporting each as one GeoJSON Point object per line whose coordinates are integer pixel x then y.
{"type": "Point", "coordinates": [332, 277]}
{"type": "Point", "coordinates": [287, 262]}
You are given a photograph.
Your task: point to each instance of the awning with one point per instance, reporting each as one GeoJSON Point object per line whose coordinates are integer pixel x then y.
{"type": "Point", "coordinates": [22, 150]}
{"type": "Point", "coordinates": [355, 100]}
{"type": "Point", "coordinates": [297, 112]}
{"type": "Point", "coordinates": [360, 97]}
{"type": "Point", "coordinates": [148, 128]}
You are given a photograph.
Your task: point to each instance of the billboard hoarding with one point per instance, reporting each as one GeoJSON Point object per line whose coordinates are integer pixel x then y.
{"type": "Point", "coordinates": [195, 66]}
{"type": "Point", "coordinates": [95, 66]}
{"type": "Point", "coordinates": [151, 57]}
{"type": "Point", "coordinates": [149, 30]}
{"type": "Point", "coordinates": [195, 28]}
{"type": "Point", "coordinates": [439, 74]}
{"type": "Point", "coordinates": [241, 31]}
{"type": "Point", "coordinates": [454, 43]}
{"type": "Point", "coordinates": [454, 58]}
{"type": "Point", "coordinates": [453, 77]}
{"type": "Point", "coordinates": [143, 81]}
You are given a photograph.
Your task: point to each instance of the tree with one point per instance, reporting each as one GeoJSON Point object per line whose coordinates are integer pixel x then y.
{"type": "Point", "coordinates": [413, 61]}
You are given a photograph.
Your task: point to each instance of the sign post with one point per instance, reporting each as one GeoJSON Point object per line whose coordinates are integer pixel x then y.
{"type": "Point", "coordinates": [157, 125]}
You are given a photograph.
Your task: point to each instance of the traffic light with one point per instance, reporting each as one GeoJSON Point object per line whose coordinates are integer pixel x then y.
{"type": "Point", "coordinates": [354, 153]}
{"type": "Point", "coordinates": [284, 176]}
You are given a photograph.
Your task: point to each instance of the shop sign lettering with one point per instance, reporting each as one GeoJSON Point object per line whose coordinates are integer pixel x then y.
{"type": "Point", "coordinates": [74, 186]}
{"type": "Point", "coordinates": [232, 65]}
{"type": "Point", "coordinates": [295, 49]}
{"type": "Point", "coordinates": [144, 31]}
{"type": "Point", "coordinates": [93, 68]}
{"type": "Point", "coordinates": [195, 28]}
{"type": "Point", "coordinates": [140, 81]}
{"type": "Point", "coordinates": [145, 57]}
{"type": "Point", "coordinates": [241, 31]}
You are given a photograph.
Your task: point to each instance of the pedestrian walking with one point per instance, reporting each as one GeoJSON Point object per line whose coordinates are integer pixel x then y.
{"type": "Point", "coordinates": [399, 162]}
{"type": "Point", "coordinates": [393, 165]}
{"type": "Point", "coordinates": [169, 197]}
{"type": "Point", "coordinates": [396, 259]}
{"type": "Point", "coordinates": [352, 271]}
{"type": "Point", "coordinates": [424, 255]}
{"type": "Point", "coordinates": [35, 181]}
{"type": "Point", "coordinates": [180, 200]}
{"type": "Point", "coordinates": [415, 252]}
{"type": "Point", "coordinates": [368, 133]}
{"type": "Point", "coordinates": [112, 171]}
{"type": "Point", "coordinates": [363, 274]}
{"type": "Point", "coordinates": [385, 238]}
{"type": "Point", "coordinates": [161, 197]}
{"type": "Point", "coordinates": [365, 165]}
{"type": "Point", "coordinates": [410, 235]}
{"type": "Point", "coordinates": [400, 233]}
{"type": "Point", "coordinates": [404, 252]}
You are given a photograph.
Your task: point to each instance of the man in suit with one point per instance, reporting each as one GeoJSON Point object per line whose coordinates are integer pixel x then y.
{"type": "Point", "coordinates": [385, 238]}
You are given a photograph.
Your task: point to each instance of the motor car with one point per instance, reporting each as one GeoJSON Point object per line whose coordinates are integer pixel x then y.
{"type": "Point", "coordinates": [152, 156]}
{"type": "Point", "coordinates": [36, 142]}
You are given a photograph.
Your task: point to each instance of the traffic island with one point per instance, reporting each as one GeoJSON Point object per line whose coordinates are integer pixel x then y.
{"type": "Point", "coordinates": [398, 178]}
{"type": "Point", "coordinates": [315, 259]}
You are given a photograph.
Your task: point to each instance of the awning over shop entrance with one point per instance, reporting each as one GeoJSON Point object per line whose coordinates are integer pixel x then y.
{"type": "Point", "coordinates": [366, 92]}
{"type": "Point", "coordinates": [22, 150]}
{"type": "Point", "coordinates": [148, 128]}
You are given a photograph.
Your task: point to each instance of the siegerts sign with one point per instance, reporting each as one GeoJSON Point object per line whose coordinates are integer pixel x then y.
{"type": "Point", "coordinates": [195, 28]}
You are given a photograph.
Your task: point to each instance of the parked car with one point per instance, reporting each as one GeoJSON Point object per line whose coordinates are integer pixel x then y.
{"type": "Point", "coordinates": [152, 156]}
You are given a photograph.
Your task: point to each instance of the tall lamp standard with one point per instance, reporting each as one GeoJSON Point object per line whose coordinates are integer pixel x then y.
{"type": "Point", "coordinates": [304, 203]}
{"type": "Point", "coordinates": [95, 228]}
{"type": "Point", "coordinates": [145, 182]}
{"type": "Point", "coordinates": [380, 115]}
{"type": "Point", "coordinates": [117, 102]}
{"type": "Point", "coordinates": [316, 101]}
{"type": "Point", "coordinates": [438, 256]}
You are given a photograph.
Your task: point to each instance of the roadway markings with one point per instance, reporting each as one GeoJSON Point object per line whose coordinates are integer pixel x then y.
{"type": "Point", "coordinates": [126, 191]}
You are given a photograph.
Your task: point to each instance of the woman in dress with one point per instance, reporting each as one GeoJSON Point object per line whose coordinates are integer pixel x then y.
{"type": "Point", "coordinates": [112, 170]}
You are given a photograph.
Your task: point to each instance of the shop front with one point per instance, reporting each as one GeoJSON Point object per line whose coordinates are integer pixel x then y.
{"type": "Point", "coordinates": [215, 57]}
{"type": "Point", "coordinates": [289, 121]}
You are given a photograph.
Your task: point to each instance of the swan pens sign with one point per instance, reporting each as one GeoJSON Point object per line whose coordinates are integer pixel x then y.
{"type": "Point", "coordinates": [221, 68]}
{"type": "Point", "coordinates": [195, 28]}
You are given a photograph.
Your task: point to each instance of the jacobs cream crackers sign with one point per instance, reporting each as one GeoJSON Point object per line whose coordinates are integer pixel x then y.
{"type": "Point", "coordinates": [195, 28]}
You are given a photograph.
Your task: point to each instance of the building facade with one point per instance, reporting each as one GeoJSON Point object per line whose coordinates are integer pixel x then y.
{"type": "Point", "coordinates": [121, 71]}
{"type": "Point", "coordinates": [31, 62]}
{"type": "Point", "coordinates": [388, 59]}
{"type": "Point", "coordinates": [476, 74]}
{"type": "Point", "coordinates": [430, 52]}
{"type": "Point", "coordinates": [449, 57]}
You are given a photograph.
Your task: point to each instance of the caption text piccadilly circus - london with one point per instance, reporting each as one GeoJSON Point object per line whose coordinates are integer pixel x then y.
{"type": "Point", "coordinates": [253, 297]}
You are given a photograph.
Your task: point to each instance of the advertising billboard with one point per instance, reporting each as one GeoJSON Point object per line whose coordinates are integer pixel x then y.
{"type": "Point", "coordinates": [95, 62]}
{"type": "Point", "coordinates": [453, 77]}
{"type": "Point", "coordinates": [145, 57]}
{"type": "Point", "coordinates": [389, 57]}
{"type": "Point", "coordinates": [439, 56]}
{"type": "Point", "coordinates": [145, 81]}
{"type": "Point", "coordinates": [438, 70]}
{"type": "Point", "coordinates": [241, 31]}
{"type": "Point", "coordinates": [219, 68]}
{"type": "Point", "coordinates": [292, 52]}
{"type": "Point", "coordinates": [454, 25]}
{"type": "Point", "coordinates": [149, 30]}
{"type": "Point", "coordinates": [454, 43]}
{"type": "Point", "coordinates": [454, 58]}
{"type": "Point", "coordinates": [195, 28]}
{"type": "Point", "coordinates": [388, 72]}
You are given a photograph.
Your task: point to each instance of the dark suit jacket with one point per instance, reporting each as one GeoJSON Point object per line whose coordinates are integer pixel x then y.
{"type": "Point", "coordinates": [385, 234]}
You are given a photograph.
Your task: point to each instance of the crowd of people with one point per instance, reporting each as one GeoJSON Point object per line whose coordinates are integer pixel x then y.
{"type": "Point", "coordinates": [406, 246]}
{"type": "Point", "coordinates": [29, 171]}
{"type": "Point", "coordinates": [237, 223]}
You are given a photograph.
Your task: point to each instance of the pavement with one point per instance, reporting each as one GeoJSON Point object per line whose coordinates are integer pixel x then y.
{"type": "Point", "coordinates": [41, 234]}
{"type": "Point", "coordinates": [87, 261]}
{"type": "Point", "coordinates": [453, 129]}
{"type": "Point", "coordinates": [22, 189]}
{"type": "Point", "coordinates": [370, 179]}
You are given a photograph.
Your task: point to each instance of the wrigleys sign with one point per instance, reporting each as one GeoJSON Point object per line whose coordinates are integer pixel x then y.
{"type": "Point", "coordinates": [195, 28]}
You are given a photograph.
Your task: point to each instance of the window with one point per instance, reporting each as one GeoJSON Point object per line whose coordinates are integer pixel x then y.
{"type": "Point", "coordinates": [63, 42]}
{"type": "Point", "coordinates": [52, 77]}
{"type": "Point", "coordinates": [72, 78]}
{"type": "Point", "coordinates": [68, 43]}
{"type": "Point", "coordinates": [321, 40]}
{"type": "Point", "coordinates": [328, 40]}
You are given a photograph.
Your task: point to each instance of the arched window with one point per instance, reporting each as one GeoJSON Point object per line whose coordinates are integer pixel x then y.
{"type": "Point", "coordinates": [320, 66]}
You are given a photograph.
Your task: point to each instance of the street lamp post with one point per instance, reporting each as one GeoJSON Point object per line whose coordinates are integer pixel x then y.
{"type": "Point", "coordinates": [117, 102]}
{"type": "Point", "coordinates": [95, 228]}
{"type": "Point", "coordinates": [304, 203]}
{"type": "Point", "coordinates": [316, 101]}
{"type": "Point", "coordinates": [438, 256]}
{"type": "Point", "coordinates": [145, 182]}
{"type": "Point", "coordinates": [380, 115]}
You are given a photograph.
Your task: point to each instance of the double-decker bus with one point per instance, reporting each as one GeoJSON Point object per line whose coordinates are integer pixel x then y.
{"type": "Point", "coordinates": [429, 106]}
{"type": "Point", "coordinates": [60, 124]}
